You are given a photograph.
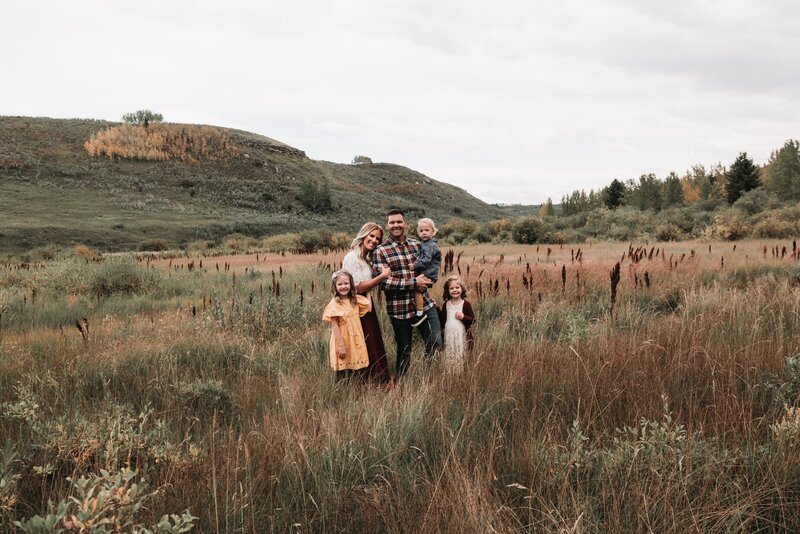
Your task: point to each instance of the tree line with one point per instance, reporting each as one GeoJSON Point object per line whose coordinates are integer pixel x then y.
{"type": "Point", "coordinates": [706, 188]}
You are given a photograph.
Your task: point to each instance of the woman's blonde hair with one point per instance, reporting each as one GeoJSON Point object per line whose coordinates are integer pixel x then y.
{"type": "Point", "coordinates": [361, 235]}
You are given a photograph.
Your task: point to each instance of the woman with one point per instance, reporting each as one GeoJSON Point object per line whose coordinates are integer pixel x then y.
{"type": "Point", "coordinates": [358, 262]}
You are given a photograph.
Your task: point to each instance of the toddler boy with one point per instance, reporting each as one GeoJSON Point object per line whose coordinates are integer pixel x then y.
{"type": "Point", "coordinates": [427, 262]}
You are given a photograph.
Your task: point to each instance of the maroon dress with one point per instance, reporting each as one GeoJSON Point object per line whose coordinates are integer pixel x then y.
{"type": "Point", "coordinates": [378, 369]}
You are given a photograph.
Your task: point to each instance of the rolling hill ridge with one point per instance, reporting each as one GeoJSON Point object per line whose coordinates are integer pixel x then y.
{"type": "Point", "coordinates": [53, 192]}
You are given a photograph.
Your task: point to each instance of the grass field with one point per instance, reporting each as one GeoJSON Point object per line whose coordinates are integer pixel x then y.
{"type": "Point", "coordinates": [206, 375]}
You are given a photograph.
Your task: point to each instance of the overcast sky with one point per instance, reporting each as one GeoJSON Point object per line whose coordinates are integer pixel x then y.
{"type": "Point", "coordinates": [515, 101]}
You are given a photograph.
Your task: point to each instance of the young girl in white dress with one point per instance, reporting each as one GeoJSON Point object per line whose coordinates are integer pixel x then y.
{"type": "Point", "coordinates": [456, 317]}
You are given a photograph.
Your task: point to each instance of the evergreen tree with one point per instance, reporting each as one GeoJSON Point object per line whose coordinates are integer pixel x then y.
{"type": "Point", "coordinates": [712, 186]}
{"type": "Point", "coordinates": [595, 200]}
{"type": "Point", "coordinates": [742, 177]}
{"type": "Point", "coordinates": [646, 195]}
{"type": "Point", "coordinates": [576, 202]}
{"type": "Point", "coordinates": [673, 191]}
{"type": "Point", "coordinates": [613, 195]}
{"type": "Point", "coordinates": [783, 171]}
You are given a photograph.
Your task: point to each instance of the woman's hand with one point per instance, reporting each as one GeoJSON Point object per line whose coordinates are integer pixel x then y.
{"type": "Point", "coordinates": [386, 272]}
{"type": "Point", "coordinates": [341, 351]}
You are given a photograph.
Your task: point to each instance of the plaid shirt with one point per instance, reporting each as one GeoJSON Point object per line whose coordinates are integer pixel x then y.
{"type": "Point", "coordinates": [401, 285]}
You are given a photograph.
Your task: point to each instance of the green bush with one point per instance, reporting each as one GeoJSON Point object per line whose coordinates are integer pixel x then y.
{"type": "Point", "coordinates": [775, 228]}
{"type": "Point", "coordinates": [205, 398]}
{"type": "Point", "coordinates": [527, 230]}
{"type": "Point", "coordinates": [282, 243]}
{"type": "Point", "coordinates": [729, 225]}
{"type": "Point", "coordinates": [105, 503]}
{"type": "Point", "coordinates": [153, 245]}
{"type": "Point", "coordinates": [239, 242]}
{"type": "Point", "coordinates": [313, 240]}
{"type": "Point", "coordinates": [457, 230]}
{"type": "Point", "coordinates": [122, 275]}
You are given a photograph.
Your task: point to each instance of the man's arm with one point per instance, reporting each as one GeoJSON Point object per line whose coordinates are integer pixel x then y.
{"type": "Point", "coordinates": [392, 282]}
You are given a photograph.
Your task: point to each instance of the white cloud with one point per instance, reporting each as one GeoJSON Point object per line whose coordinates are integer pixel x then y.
{"type": "Point", "coordinates": [531, 98]}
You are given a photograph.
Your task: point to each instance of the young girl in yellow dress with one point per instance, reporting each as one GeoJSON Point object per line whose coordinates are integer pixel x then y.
{"type": "Point", "coordinates": [348, 349]}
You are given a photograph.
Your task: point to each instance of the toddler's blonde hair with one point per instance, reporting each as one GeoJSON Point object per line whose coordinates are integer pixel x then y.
{"type": "Point", "coordinates": [429, 222]}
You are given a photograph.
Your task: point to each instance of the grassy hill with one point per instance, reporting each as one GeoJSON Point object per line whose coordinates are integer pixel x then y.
{"type": "Point", "coordinates": [53, 191]}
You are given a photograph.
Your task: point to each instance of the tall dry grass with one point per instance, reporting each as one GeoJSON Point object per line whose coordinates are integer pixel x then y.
{"type": "Point", "coordinates": [674, 414]}
{"type": "Point", "coordinates": [161, 142]}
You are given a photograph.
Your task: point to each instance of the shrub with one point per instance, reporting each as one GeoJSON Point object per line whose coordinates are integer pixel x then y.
{"type": "Point", "coordinates": [560, 237]}
{"type": "Point", "coordinates": [755, 201]}
{"type": "Point", "coordinates": [775, 228]}
{"type": "Point", "coordinates": [527, 230]}
{"type": "Point", "coordinates": [239, 242]}
{"type": "Point", "coordinates": [153, 245]}
{"type": "Point", "coordinates": [44, 253]}
{"type": "Point", "coordinates": [313, 240]}
{"type": "Point", "coordinates": [315, 196]}
{"type": "Point", "coordinates": [200, 245]}
{"type": "Point", "coordinates": [729, 225]}
{"type": "Point", "coordinates": [204, 398]}
{"type": "Point", "coordinates": [483, 233]}
{"type": "Point", "coordinates": [282, 243]}
{"type": "Point", "coordinates": [340, 241]}
{"type": "Point", "coordinates": [457, 230]}
{"type": "Point", "coordinates": [82, 251]}
{"type": "Point", "coordinates": [123, 275]}
{"type": "Point", "coordinates": [668, 232]}
{"type": "Point", "coordinates": [108, 502]}
{"type": "Point", "coordinates": [500, 225]}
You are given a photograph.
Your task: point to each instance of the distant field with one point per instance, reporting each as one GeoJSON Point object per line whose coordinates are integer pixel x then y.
{"type": "Point", "coordinates": [675, 413]}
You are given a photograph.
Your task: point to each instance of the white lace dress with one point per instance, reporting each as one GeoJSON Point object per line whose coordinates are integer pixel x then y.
{"type": "Point", "coordinates": [455, 338]}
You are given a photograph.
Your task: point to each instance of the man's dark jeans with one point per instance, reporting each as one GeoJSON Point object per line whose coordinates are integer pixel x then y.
{"type": "Point", "coordinates": [430, 331]}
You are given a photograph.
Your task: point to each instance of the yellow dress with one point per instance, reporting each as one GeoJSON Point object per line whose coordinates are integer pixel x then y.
{"type": "Point", "coordinates": [352, 333]}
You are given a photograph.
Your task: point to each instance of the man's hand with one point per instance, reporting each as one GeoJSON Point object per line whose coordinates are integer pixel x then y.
{"type": "Point", "coordinates": [423, 282]}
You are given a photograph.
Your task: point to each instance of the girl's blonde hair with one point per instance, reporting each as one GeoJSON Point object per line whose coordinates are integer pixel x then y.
{"type": "Point", "coordinates": [450, 279]}
{"type": "Point", "coordinates": [352, 294]}
{"type": "Point", "coordinates": [359, 240]}
{"type": "Point", "coordinates": [429, 222]}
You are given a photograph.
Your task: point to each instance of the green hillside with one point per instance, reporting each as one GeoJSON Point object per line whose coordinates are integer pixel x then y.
{"type": "Point", "coordinates": [52, 191]}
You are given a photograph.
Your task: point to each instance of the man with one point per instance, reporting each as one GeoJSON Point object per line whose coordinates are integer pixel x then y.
{"type": "Point", "coordinates": [396, 253]}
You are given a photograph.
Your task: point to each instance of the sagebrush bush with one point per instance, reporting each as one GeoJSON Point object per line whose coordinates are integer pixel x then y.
{"type": "Point", "coordinates": [123, 276]}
